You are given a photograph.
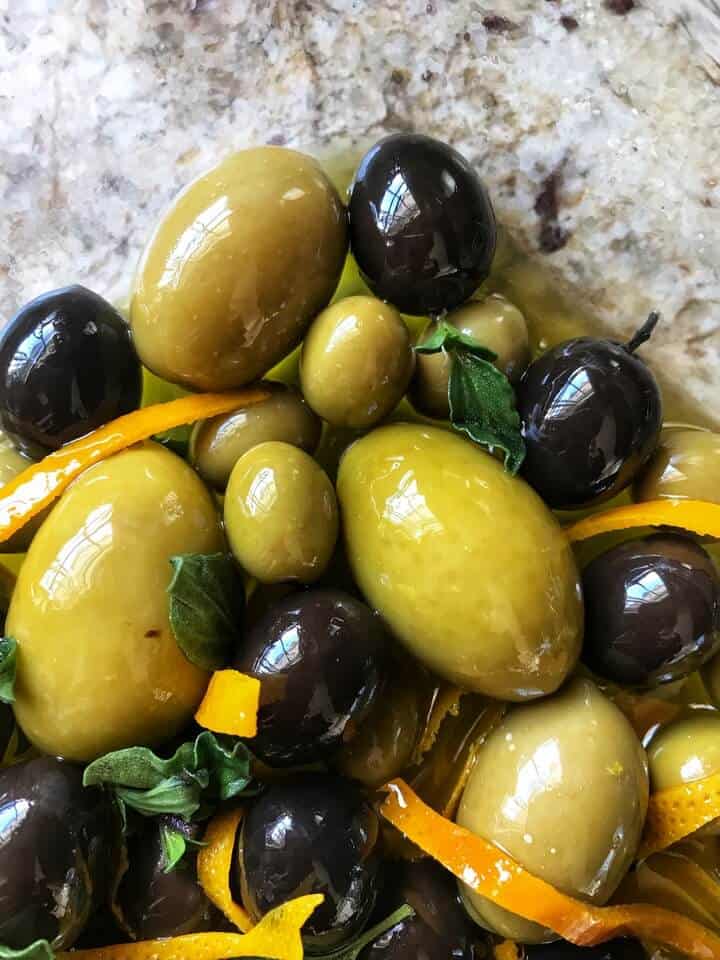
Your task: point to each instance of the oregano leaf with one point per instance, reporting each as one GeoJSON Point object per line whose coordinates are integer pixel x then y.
{"type": "Point", "coordinates": [445, 336]}
{"type": "Point", "coordinates": [39, 950]}
{"type": "Point", "coordinates": [8, 668]}
{"type": "Point", "coordinates": [174, 845]}
{"type": "Point", "coordinates": [351, 950]}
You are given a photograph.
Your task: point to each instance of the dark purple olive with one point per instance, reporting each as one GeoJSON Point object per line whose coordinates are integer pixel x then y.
{"type": "Point", "coordinates": [618, 949]}
{"type": "Point", "coordinates": [652, 610]}
{"type": "Point", "coordinates": [315, 834]}
{"type": "Point", "coordinates": [67, 366]}
{"type": "Point", "coordinates": [422, 227]}
{"type": "Point", "coordinates": [591, 413]}
{"type": "Point", "coordinates": [319, 655]}
{"type": "Point", "coordinates": [57, 841]}
{"type": "Point", "coordinates": [440, 929]}
{"type": "Point", "coordinates": [154, 902]}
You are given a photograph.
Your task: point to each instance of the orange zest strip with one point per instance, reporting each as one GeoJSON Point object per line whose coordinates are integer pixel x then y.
{"type": "Point", "coordinates": [507, 950]}
{"type": "Point", "coordinates": [492, 874]}
{"type": "Point", "coordinates": [230, 704]}
{"type": "Point", "coordinates": [214, 862]}
{"type": "Point", "coordinates": [676, 812]}
{"type": "Point", "coordinates": [40, 484]}
{"type": "Point", "coordinates": [276, 937]}
{"type": "Point", "coordinates": [696, 516]}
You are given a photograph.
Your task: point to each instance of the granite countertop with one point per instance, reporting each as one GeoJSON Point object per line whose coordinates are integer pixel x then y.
{"type": "Point", "coordinates": [596, 124]}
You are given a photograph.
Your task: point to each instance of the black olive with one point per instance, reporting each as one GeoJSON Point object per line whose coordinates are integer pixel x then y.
{"type": "Point", "coordinates": [320, 657]}
{"type": "Point", "coordinates": [67, 366]}
{"type": "Point", "coordinates": [652, 610]}
{"type": "Point", "coordinates": [316, 834]}
{"type": "Point", "coordinates": [57, 840]}
{"type": "Point", "coordinates": [591, 413]}
{"type": "Point", "coordinates": [618, 949]}
{"type": "Point", "coordinates": [422, 227]}
{"type": "Point", "coordinates": [440, 929]}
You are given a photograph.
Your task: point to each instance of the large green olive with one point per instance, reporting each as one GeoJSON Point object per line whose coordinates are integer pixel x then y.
{"type": "Point", "coordinates": [562, 786]}
{"type": "Point", "coordinates": [685, 466]}
{"type": "Point", "coordinates": [243, 260]}
{"type": "Point", "coordinates": [685, 750]}
{"type": "Point", "coordinates": [356, 362]}
{"type": "Point", "coordinates": [281, 514]}
{"type": "Point", "coordinates": [217, 444]}
{"type": "Point", "coordinates": [98, 666]}
{"type": "Point", "coordinates": [465, 563]}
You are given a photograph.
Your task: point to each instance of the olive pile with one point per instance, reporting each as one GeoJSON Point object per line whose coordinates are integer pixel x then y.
{"type": "Point", "coordinates": [376, 552]}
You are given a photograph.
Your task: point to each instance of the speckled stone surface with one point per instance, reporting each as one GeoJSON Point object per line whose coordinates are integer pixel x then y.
{"type": "Point", "coordinates": [595, 122]}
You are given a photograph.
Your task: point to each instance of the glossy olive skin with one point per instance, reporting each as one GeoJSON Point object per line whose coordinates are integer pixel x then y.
{"type": "Point", "coordinates": [440, 929]}
{"type": "Point", "coordinates": [57, 840]}
{"type": "Point", "coordinates": [314, 834]}
{"type": "Point", "coordinates": [356, 362]}
{"type": "Point", "coordinates": [98, 665]}
{"type": "Point", "coordinates": [422, 227]}
{"type": "Point", "coordinates": [244, 259]}
{"type": "Point", "coordinates": [569, 766]}
{"type": "Point", "coordinates": [320, 658]}
{"type": "Point", "coordinates": [685, 466]}
{"type": "Point", "coordinates": [12, 463]}
{"type": "Point", "coordinates": [67, 365]}
{"type": "Point", "coordinates": [281, 514]}
{"type": "Point", "coordinates": [591, 414]}
{"type": "Point", "coordinates": [495, 323]}
{"type": "Point", "coordinates": [445, 544]}
{"type": "Point", "coordinates": [217, 444]}
{"type": "Point", "coordinates": [618, 949]}
{"type": "Point", "coordinates": [155, 903]}
{"type": "Point", "coordinates": [685, 750]}
{"type": "Point", "coordinates": [652, 611]}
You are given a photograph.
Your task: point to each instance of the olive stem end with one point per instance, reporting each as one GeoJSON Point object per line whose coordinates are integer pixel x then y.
{"type": "Point", "coordinates": [642, 335]}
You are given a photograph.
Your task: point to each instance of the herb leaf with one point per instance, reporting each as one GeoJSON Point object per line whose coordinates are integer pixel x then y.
{"type": "Point", "coordinates": [351, 950]}
{"type": "Point", "coordinates": [39, 950]}
{"type": "Point", "coordinates": [174, 845]}
{"type": "Point", "coordinates": [445, 335]}
{"type": "Point", "coordinates": [177, 440]}
{"type": "Point", "coordinates": [199, 774]}
{"type": "Point", "coordinates": [8, 668]}
{"type": "Point", "coordinates": [482, 405]}
{"type": "Point", "coordinates": [207, 601]}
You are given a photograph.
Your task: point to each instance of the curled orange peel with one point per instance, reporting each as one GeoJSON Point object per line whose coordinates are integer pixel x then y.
{"type": "Point", "coordinates": [492, 874]}
{"type": "Point", "coordinates": [676, 812]}
{"type": "Point", "coordinates": [214, 863]}
{"type": "Point", "coordinates": [695, 516]}
{"type": "Point", "coordinates": [230, 704]}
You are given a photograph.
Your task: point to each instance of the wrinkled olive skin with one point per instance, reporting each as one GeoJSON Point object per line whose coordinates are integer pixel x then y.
{"type": "Point", "coordinates": [98, 665]}
{"type": "Point", "coordinates": [496, 324]}
{"type": "Point", "coordinates": [685, 466]}
{"type": "Point", "coordinates": [247, 255]}
{"type": "Point", "coordinates": [685, 750]}
{"type": "Point", "coordinates": [281, 514]}
{"type": "Point", "coordinates": [320, 658]}
{"type": "Point", "coordinates": [422, 227]}
{"type": "Point", "coordinates": [315, 834]}
{"type": "Point", "coordinates": [591, 414]}
{"type": "Point", "coordinates": [153, 903]}
{"type": "Point", "coordinates": [569, 768]}
{"type": "Point", "coordinates": [445, 545]}
{"type": "Point", "coordinates": [356, 362]}
{"type": "Point", "coordinates": [440, 929]}
{"type": "Point", "coordinates": [618, 949]}
{"type": "Point", "coordinates": [56, 840]}
{"type": "Point", "coordinates": [217, 444]}
{"type": "Point", "coordinates": [652, 611]}
{"type": "Point", "coordinates": [67, 366]}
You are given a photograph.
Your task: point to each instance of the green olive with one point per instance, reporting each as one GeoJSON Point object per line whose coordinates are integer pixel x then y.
{"type": "Point", "coordinates": [495, 323]}
{"type": "Point", "coordinates": [98, 666]}
{"type": "Point", "coordinates": [12, 464]}
{"type": "Point", "coordinates": [562, 787]}
{"type": "Point", "coordinates": [466, 564]}
{"type": "Point", "coordinates": [685, 465]}
{"type": "Point", "coordinates": [685, 750]}
{"type": "Point", "coordinates": [281, 514]}
{"type": "Point", "coordinates": [356, 362]}
{"type": "Point", "coordinates": [243, 260]}
{"type": "Point", "coordinates": [217, 444]}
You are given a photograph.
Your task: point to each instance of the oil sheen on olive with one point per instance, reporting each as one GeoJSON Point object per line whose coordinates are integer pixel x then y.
{"type": "Point", "coordinates": [154, 902]}
{"type": "Point", "coordinates": [567, 768]}
{"type": "Point", "coordinates": [56, 839]}
{"type": "Point", "coordinates": [685, 750]}
{"type": "Point", "coordinates": [314, 834]}
{"type": "Point", "coordinates": [320, 658]}
{"type": "Point", "coordinates": [591, 414]}
{"type": "Point", "coordinates": [685, 466]}
{"type": "Point", "coordinates": [67, 366]}
{"type": "Point", "coordinates": [652, 610]}
{"type": "Point", "coordinates": [244, 259]}
{"type": "Point", "coordinates": [618, 949]}
{"type": "Point", "coordinates": [422, 227]}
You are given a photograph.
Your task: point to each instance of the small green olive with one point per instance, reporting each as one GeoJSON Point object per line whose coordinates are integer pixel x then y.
{"type": "Point", "coordinates": [685, 465]}
{"type": "Point", "coordinates": [281, 514]}
{"type": "Point", "coordinates": [217, 444]}
{"type": "Point", "coordinates": [685, 750]}
{"type": "Point", "coordinates": [12, 463]}
{"type": "Point", "coordinates": [495, 323]}
{"type": "Point", "coordinates": [356, 362]}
